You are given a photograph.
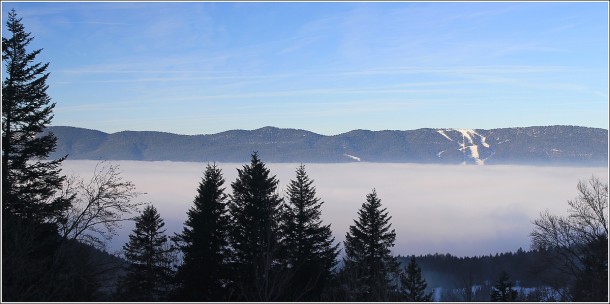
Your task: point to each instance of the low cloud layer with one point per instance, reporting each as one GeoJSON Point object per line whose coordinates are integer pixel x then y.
{"type": "Point", "coordinates": [462, 210]}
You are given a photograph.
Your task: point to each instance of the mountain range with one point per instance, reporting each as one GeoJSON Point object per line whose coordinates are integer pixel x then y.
{"type": "Point", "coordinates": [523, 145]}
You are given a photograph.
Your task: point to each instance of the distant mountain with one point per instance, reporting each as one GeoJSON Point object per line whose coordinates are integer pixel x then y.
{"type": "Point", "coordinates": [533, 145]}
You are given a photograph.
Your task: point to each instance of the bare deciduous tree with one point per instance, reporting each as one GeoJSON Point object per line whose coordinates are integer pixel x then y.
{"type": "Point", "coordinates": [98, 205]}
{"type": "Point", "coordinates": [577, 244]}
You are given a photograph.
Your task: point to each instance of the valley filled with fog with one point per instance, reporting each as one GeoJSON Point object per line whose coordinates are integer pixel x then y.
{"type": "Point", "coordinates": [457, 209]}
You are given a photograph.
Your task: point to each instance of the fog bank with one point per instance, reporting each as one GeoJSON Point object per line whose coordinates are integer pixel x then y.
{"type": "Point", "coordinates": [462, 210]}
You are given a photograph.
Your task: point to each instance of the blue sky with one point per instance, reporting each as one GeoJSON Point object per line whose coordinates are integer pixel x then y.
{"type": "Point", "coordinates": [201, 68]}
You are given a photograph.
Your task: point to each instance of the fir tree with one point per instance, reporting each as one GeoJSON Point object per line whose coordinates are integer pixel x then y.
{"type": "Point", "coordinates": [28, 182]}
{"type": "Point", "coordinates": [148, 252]}
{"type": "Point", "coordinates": [370, 268]}
{"type": "Point", "coordinates": [413, 285]}
{"type": "Point", "coordinates": [204, 242]}
{"type": "Point", "coordinates": [308, 244]}
{"type": "Point", "coordinates": [503, 290]}
{"type": "Point", "coordinates": [38, 267]}
{"type": "Point", "coordinates": [255, 208]}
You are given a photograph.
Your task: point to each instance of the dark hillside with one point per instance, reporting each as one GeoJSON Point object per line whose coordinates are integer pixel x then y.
{"type": "Point", "coordinates": [551, 145]}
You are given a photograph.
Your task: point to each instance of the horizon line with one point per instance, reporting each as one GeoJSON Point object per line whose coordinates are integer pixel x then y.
{"type": "Point", "coordinates": [296, 129]}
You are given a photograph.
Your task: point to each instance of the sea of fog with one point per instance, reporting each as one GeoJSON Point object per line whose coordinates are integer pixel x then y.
{"type": "Point", "coordinates": [463, 210]}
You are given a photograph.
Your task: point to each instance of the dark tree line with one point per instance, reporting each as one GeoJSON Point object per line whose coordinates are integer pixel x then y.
{"type": "Point", "coordinates": [248, 245]}
{"type": "Point", "coordinates": [254, 245]}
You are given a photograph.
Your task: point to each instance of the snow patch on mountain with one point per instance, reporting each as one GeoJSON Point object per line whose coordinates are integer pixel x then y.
{"type": "Point", "coordinates": [353, 157]}
{"type": "Point", "coordinates": [441, 132]}
{"type": "Point", "coordinates": [474, 153]}
{"type": "Point", "coordinates": [466, 134]}
{"type": "Point", "coordinates": [471, 143]}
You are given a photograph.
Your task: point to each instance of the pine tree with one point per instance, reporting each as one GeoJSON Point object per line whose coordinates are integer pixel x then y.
{"type": "Point", "coordinates": [148, 252]}
{"type": "Point", "coordinates": [413, 285]}
{"type": "Point", "coordinates": [28, 182]}
{"type": "Point", "coordinates": [204, 242]}
{"type": "Point", "coordinates": [503, 290]}
{"type": "Point", "coordinates": [255, 209]}
{"type": "Point", "coordinates": [370, 268]}
{"type": "Point", "coordinates": [308, 245]}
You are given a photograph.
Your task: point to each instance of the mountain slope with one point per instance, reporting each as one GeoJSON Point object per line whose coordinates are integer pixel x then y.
{"type": "Point", "coordinates": [541, 145]}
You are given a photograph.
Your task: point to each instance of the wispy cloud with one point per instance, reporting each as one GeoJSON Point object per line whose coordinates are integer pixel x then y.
{"type": "Point", "coordinates": [421, 62]}
{"type": "Point", "coordinates": [562, 28]}
{"type": "Point", "coordinates": [94, 22]}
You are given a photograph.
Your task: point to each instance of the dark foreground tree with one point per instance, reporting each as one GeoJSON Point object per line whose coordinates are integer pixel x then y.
{"type": "Point", "coordinates": [576, 246]}
{"type": "Point", "coordinates": [28, 181]}
{"type": "Point", "coordinates": [203, 276]}
{"type": "Point", "coordinates": [36, 263]}
{"type": "Point", "coordinates": [413, 287]}
{"type": "Point", "coordinates": [308, 248]}
{"type": "Point", "coordinates": [503, 291]}
{"type": "Point", "coordinates": [149, 254]}
{"type": "Point", "coordinates": [370, 269]}
{"type": "Point", "coordinates": [255, 208]}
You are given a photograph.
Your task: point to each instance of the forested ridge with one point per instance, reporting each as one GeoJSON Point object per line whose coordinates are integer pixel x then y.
{"type": "Point", "coordinates": [558, 145]}
{"type": "Point", "coordinates": [244, 240]}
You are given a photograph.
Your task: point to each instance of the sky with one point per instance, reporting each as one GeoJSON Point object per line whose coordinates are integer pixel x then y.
{"type": "Point", "coordinates": [205, 67]}
{"type": "Point", "coordinates": [462, 210]}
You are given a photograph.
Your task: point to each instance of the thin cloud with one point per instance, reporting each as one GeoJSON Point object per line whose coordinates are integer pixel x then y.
{"type": "Point", "coordinates": [94, 22]}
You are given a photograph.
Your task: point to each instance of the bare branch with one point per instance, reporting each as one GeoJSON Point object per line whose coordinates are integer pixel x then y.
{"type": "Point", "coordinates": [570, 240]}
{"type": "Point", "coordinates": [98, 205]}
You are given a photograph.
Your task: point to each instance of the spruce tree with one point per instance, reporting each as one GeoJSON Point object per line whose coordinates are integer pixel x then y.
{"type": "Point", "coordinates": [255, 209]}
{"type": "Point", "coordinates": [413, 285]}
{"type": "Point", "coordinates": [307, 244]}
{"type": "Point", "coordinates": [503, 291]}
{"type": "Point", "coordinates": [148, 252]}
{"type": "Point", "coordinates": [370, 269]}
{"type": "Point", "coordinates": [28, 182]}
{"type": "Point", "coordinates": [204, 243]}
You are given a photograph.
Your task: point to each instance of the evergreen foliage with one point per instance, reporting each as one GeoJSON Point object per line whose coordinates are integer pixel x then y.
{"type": "Point", "coordinates": [413, 285]}
{"type": "Point", "coordinates": [149, 274]}
{"type": "Point", "coordinates": [37, 264]}
{"type": "Point", "coordinates": [308, 248]}
{"type": "Point", "coordinates": [592, 283]}
{"type": "Point", "coordinates": [252, 247]}
{"type": "Point", "coordinates": [255, 209]}
{"type": "Point", "coordinates": [503, 291]}
{"type": "Point", "coordinates": [28, 182]}
{"type": "Point", "coordinates": [204, 243]}
{"type": "Point", "coordinates": [370, 269]}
